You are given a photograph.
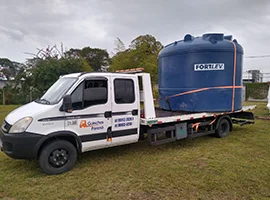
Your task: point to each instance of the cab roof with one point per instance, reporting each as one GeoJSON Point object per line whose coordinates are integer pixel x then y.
{"type": "Point", "coordinates": [86, 74]}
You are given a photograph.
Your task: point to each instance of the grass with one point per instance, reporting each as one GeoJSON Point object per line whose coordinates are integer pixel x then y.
{"type": "Point", "coordinates": [261, 110]}
{"type": "Point", "coordinates": [235, 167]}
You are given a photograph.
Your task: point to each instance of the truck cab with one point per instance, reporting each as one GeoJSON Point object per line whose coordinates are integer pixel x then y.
{"type": "Point", "coordinates": [104, 110]}
{"type": "Point", "coordinates": [87, 110]}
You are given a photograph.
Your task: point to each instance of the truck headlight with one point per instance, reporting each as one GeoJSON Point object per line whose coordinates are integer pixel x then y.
{"type": "Point", "coordinates": [21, 125]}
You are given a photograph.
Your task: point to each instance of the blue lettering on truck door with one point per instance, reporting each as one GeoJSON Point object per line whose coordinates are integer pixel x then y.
{"type": "Point", "coordinates": [122, 122]}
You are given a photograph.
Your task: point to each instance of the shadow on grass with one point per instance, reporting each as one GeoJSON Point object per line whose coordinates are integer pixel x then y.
{"type": "Point", "coordinates": [30, 168]}
{"type": "Point", "coordinates": [141, 148]}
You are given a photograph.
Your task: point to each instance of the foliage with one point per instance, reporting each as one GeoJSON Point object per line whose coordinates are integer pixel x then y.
{"type": "Point", "coordinates": [155, 92]}
{"type": "Point", "coordinates": [95, 57]}
{"type": "Point", "coordinates": [256, 90]}
{"type": "Point", "coordinates": [13, 95]}
{"type": "Point", "coordinates": [40, 72]}
{"type": "Point", "coordinates": [9, 69]}
{"type": "Point", "coordinates": [142, 53]}
{"type": "Point", "coordinates": [49, 52]}
{"type": "Point", "coordinates": [47, 71]}
{"type": "Point", "coordinates": [120, 46]}
{"type": "Point", "coordinates": [148, 43]}
{"type": "Point", "coordinates": [44, 67]}
{"type": "Point", "coordinates": [235, 167]}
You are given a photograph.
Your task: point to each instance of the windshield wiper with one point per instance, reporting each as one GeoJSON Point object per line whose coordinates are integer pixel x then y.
{"type": "Point", "coordinates": [43, 100]}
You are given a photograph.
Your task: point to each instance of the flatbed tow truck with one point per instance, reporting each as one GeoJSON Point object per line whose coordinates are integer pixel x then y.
{"type": "Point", "coordinates": [81, 112]}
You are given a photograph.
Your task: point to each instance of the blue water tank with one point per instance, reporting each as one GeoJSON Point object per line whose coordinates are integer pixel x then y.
{"type": "Point", "coordinates": [201, 74]}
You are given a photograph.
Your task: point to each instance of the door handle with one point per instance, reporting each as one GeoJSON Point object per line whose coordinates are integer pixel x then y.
{"type": "Point", "coordinates": [134, 112]}
{"type": "Point", "coordinates": [108, 114]}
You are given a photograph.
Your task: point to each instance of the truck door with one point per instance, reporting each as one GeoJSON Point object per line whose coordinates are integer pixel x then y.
{"type": "Point", "coordinates": [91, 102]}
{"type": "Point", "coordinates": [125, 110]}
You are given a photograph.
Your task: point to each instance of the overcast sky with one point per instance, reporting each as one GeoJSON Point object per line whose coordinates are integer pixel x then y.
{"type": "Point", "coordinates": [27, 24]}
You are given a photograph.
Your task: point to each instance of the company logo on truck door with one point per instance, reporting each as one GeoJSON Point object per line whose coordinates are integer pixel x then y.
{"type": "Point", "coordinates": [209, 66]}
{"type": "Point", "coordinates": [95, 125]}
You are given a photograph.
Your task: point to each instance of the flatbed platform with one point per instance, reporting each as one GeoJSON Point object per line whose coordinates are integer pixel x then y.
{"type": "Point", "coordinates": [164, 116]}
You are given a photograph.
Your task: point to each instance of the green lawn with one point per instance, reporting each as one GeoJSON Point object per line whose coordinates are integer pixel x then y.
{"type": "Point", "coordinates": [235, 167]}
{"type": "Point", "coordinates": [261, 110]}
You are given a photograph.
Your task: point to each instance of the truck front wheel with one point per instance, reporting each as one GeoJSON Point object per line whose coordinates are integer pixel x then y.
{"type": "Point", "coordinates": [57, 157]}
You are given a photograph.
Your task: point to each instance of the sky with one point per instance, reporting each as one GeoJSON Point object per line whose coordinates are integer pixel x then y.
{"type": "Point", "coordinates": [26, 25]}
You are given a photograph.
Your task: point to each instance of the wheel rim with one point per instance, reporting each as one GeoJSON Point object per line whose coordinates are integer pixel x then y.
{"type": "Point", "coordinates": [223, 128]}
{"type": "Point", "coordinates": [58, 158]}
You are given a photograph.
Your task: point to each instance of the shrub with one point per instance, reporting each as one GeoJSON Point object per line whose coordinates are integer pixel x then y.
{"type": "Point", "coordinates": [256, 90]}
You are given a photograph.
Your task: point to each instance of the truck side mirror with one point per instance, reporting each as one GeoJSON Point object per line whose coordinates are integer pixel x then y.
{"type": "Point", "coordinates": [67, 103]}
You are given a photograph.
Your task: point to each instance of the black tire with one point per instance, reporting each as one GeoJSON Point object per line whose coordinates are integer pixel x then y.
{"type": "Point", "coordinates": [143, 130]}
{"type": "Point", "coordinates": [223, 128]}
{"type": "Point", "coordinates": [57, 157]}
{"type": "Point", "coordinates": [142, 136]}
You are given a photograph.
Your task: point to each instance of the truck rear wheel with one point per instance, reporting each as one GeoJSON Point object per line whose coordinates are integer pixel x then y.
{"type": "Point", "coordinates": [57, 157]}
{"type": "Point", "coordinates": [223, 128]}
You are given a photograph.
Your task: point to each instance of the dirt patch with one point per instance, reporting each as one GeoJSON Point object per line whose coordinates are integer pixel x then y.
{"type": "Point", "coordinates": [263, 118]}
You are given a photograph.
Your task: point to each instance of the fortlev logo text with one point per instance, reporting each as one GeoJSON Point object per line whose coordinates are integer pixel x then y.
{"type": "Point", "coordinates": [209, 66]}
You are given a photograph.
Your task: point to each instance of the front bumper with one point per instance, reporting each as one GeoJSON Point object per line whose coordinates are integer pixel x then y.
{"type": "Point", "coordinates": [20, 145]}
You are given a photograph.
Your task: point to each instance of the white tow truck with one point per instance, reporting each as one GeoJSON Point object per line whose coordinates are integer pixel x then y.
{"type": "Point", "coordinates": [87, 111]}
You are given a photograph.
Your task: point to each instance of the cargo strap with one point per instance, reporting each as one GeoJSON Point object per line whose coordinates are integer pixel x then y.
{"type": "Point", "coordinates": [234, 74]}
{"type": "Point", "coordinates": [213, 121]}
{"type": "Point", "coordinates": [196, 126]}
{"type": "Point", "coordinates": [204, 89]}
{"type": "Point", "coordinates": [200, 90]}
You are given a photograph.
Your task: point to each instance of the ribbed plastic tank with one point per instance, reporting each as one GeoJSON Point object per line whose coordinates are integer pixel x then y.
{"type": "Point", "coordinates": [201, 74]}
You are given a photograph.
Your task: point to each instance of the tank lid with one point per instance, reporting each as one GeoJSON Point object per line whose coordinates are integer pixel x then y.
{"type": "Point", "coordinates": [188, 37]}
{"type": "Point", "coordinates": [217, 36]}
{"type": "Point", "coordinates": [213, 37]}
{"type": "Point", "coordinates": [228, 37]}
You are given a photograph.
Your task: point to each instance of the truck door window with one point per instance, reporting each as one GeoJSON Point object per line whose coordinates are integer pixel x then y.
{"type": "Point", "coordinates": [77, 97]}
{"type": "Point", "coordinates": [90, 93]}
{"type": "Point", "coordinates": [95, 92]}
{"type": "Point", "coordinates": [124, 91]}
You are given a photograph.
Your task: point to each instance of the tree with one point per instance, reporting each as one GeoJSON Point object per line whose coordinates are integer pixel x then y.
{"type": "Point", "coordinates": [9, 69]}
{"type": "Point", "coordinates": [148, 42]}
{"type": "Point", "coordinates": [120, 46]}
{"type": "Point", "coordinates": [142, 53]}
{"type": "Point", "coordinates": [45, 67]}
{"type": "Point", "coordinates": [49, 70]}
{"type": "Point", "coordinates": [96, 58]}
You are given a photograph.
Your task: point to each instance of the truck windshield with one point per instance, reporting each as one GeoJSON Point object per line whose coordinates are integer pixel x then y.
{"type": "Point", "coordinates": [57, 91]}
